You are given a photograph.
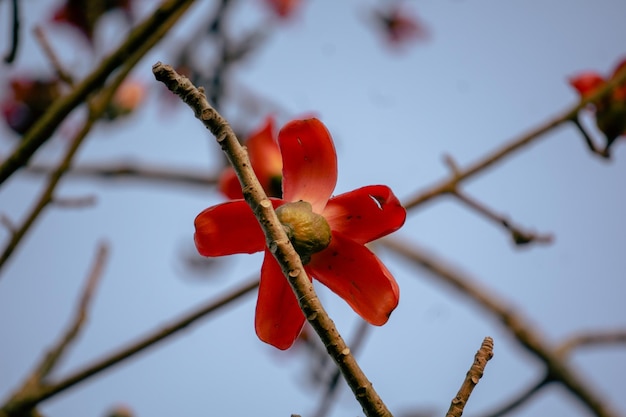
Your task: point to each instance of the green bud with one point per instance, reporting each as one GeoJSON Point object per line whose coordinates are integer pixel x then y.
{"type": "Point", "coordinates": [308, 232]}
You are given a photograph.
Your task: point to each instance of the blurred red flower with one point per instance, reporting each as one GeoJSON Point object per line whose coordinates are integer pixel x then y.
{"type": "Point", "coordinates": [126, 99]}
{"type": "Point", "coordinates": [328, 233]}
{"type": "Point", "coordinates": [283, 8]}
{"type": "Point", "coordinates": [610, 111]}
{"type": "Point", "coordinates": [265, 158]}
{"type": "Point", "coordinates": [29, 98]}
{"type": "Point", "coordinates": [84, 14]}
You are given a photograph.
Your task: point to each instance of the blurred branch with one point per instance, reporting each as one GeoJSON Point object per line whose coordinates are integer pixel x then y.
{"type": "Point", "coordinates": [520, 237]}
{"type": "Point", "coordinates": [53, 357]}
{"type": "Point", "coordinates": [15, 32]}
{"type": "Point", "coordinates": [448, 185]}
{"type": "Point", "coordinates": [484, 354]}
{"type": "Point", "coordinates": [141, 38]}
{"type": "Point", "coordinates": [592, 338]}
{"type": "Point", "coordinates": [63, 75]}
{"type": "Point", "coordinates": [332, 387]}
{"type": "Point", "coordinates": [276, 237]}
{"type": "Point", "coordinates": [520, 399]}
{"type": "Point", "coordinates": [524, 333]}
{"type": "Point", "coordinates": [118, 171]}
{"type": "Point", "coordinates": [97, 108]}
{"type": "Point", "coordinates": [37, 380]}
{"type": "Point", "coordinates": [604, 153]}
{"type": "Point", "coordinates": [16, 406]}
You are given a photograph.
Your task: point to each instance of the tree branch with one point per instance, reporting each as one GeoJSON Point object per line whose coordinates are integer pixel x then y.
{"type": "Point", "coordinates": [277, 240]}
{"type": "Point", "coordinates": [524, 333]}
{"type": "Point", "coordinates": [119, 171]}
{"type": "Point", "coordinates": [28, 400]}
{"type": "Point", "coordinates": [142, 38]}
{"type": "Point", "coordinates": [571, 115]}
{"type": "Point", "coordinates": [37, 380]}
{"type": "Point", "coordinates": [484, 354]}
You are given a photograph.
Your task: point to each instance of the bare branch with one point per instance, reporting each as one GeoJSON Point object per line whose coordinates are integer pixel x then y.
{"type": "Point", "coordinates": [512, 321]}
{"type": "Point", "coordinates": [332, 387]}
{"type": "Point", "coordinates": [142, 38]}
{"type": "Point", "coordinates": [519, 236]}
{"type": "Point", "coordinates": [37, 380]}
{"type": "Point", "coordinates": [592, 338]}
{"type": "Point", "coordinates": [520, 399]}
{"type": "Point", "coordinates": [29, 400]}
{"type": "Point", "coordinates": [277, 240]}
{"type": "Point", "coordinates": [447, 185]}
{"type": "Point", "coordinates": [484, 354]}
{"type": "Point", "coordinates": [117, 171]}
{"type": "Point", "coordinates": [15, 32]}
{"type": "Point", "coordinates": [64, 75]}
{"type": "Point", "coordinates": [53, 357]}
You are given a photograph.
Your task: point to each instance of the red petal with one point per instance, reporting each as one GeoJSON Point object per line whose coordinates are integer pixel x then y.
{"type": "Point", "coordinates": [586, 83]}
{"type": "Point", "coordinates": [278, 319]}
{"type": "Point", "coordinates": [309, 162]}
{"type": "Point", "coordinates": [265, 157]}
{"type": "Point", "coordinates": [354, 273]}
{"type": "Point", "coordinates": [229, 185]}
{"type": "Point", "coordinates": [365, 214]}
{"type": "Point", "coordinates": [229, 228]}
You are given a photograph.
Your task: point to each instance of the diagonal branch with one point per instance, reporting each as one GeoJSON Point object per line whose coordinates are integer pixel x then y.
{"type": "Point", "coordinates": [28, 399]}
{"type": "Point", "coordinates": [142, 38]}
{"type": "Point", "coordinates": [37, 379]}
{"type": "Point", "coordinates": [97, 107]}
{"type": "Point", "coordinates": [484, 354]}
{"type": "Point", "coordinates": [447, 185]}
{"type": "Point", "coordinates": [277, 240]}
{"type": "Point", "coordinates": [557, 369]}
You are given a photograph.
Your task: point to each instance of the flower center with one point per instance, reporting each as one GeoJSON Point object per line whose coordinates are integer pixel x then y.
{"type": "Point", "coordinates": [308, 232]}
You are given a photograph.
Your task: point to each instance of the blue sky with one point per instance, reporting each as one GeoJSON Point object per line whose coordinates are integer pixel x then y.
{"type": "Point", "coordinates": [489, 72]}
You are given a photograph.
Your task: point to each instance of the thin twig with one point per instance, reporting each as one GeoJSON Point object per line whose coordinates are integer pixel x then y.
{"type": "Point", "coordinates": [592, 338]}
{"type": "Point", "coordinates": [28, 400]}
{"type": "Point", "coordinates": [97, 107]}
{"type": "Point", "coordinates": [47, 195]}
{"type": "Point", "coordinates": [37, 380]}
{"type": "Point", "coordinates": [54, 356]}
{"type": "Point", "coordinates": [15, 32]}
{"type": "Point", "coordinates": [277, 240]}
{"type": "Point", "coordinates": [519, 236]}
{"type": "Point", "coordinates": [142, 38]}
{"type": "Point", "coordinates": [64, 75]}
{"type": "Point", "coordinates": [483, 355]}
{"type": "Point", "coordinates": [116, 171]}
{"type": "Point", "coordinates": [520, 399]}
{"type": "Point", "coordinates": [512, 321]}
{"type": "Point", "coordinates": [447, 185]}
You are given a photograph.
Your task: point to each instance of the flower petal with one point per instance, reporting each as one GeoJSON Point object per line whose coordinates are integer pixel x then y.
{"type": "Point", "coordinates": [586, 83]}
{"type": "Point", "coordinates": [265, 158]}
{"type": "Point", "coordinates": [309, 162]}
{"type": "Point", "coordinates": [365, 214]}
{"type": "Point", "coordinates": [278, 319]}
{"type": "Point", "coordinates": [354, 273]}
{"type": "Point", "coordinates": [229, 228]}
{"type": "Point", "coordinates": [229, 185]}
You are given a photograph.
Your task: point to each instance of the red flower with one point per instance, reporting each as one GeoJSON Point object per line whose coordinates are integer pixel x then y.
{"type": "Point", "coordinates": [127, 99]}
{"type": "Point", "coordinates": [283, 8]}
{"type": "Point", "coordinates": [329, 234]}
{"type": "Point", "coordinates": [84, 14]}
{"type": "Point", "coordinates": [398, 26]}
{"type": "Point", "coordinates": [611, 109]}
{"type": "Point", "coordinates": [29, 99]}
{"type": "Point", "coordinates": [265, 158]}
